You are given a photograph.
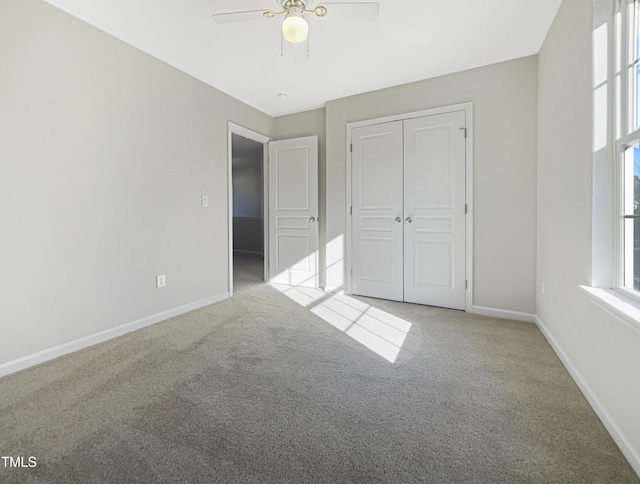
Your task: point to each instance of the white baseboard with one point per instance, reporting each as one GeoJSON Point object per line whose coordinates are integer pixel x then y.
{"type": "Point", "coordinates": [504, 314]}
{"type": "Point", "coordinates": [626, 446]}
{"type": "Point", "coordinates": [332, 289]}
{"type": "Point", "coordinates": [80, 343]}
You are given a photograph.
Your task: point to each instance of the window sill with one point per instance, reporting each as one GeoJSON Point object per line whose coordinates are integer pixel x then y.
{"type": "Point", "coordinates": [624, 309]}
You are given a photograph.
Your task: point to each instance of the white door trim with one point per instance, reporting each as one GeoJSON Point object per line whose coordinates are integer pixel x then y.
{"type": "Point", "coordinates": [232, 129]}
{"type": "Point", "coordinates": [468, 109]}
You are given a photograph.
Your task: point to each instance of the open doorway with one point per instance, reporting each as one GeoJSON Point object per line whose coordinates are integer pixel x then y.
{"type": "Point", "coordinates": [247, 205]}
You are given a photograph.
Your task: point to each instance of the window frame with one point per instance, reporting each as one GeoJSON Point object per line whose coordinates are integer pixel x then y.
{"type": "Point", "coordinates": [624, 120]}
{"type": "Point", "coordinates": [609, 144]}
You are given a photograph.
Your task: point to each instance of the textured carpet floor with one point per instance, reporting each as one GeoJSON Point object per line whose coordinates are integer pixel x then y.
{"type": "Point", "coordinates": [259, 388]}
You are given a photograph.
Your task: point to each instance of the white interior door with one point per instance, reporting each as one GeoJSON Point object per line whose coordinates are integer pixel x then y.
{"type": "Point", "coordinates": [377, 210]}
{"type": "Point", "coordinates": [293, 211]}
{"type": "Point", "coordinates": [434, 210]}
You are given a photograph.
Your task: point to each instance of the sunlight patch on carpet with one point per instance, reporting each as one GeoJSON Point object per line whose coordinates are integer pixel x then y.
{"type": "Point", "coordinates": [381, 332]}
{"type": "Point", "coordinates": [304, 296]}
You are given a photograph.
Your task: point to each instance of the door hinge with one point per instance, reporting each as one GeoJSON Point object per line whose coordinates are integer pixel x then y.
{"type": "Point", "coordinates": [351, 272]}
{"type": "Point", "coordinates": [351, 210]}
{"type": "Point", "coordinates": [465, 208]}
{"type": "Point", "coordinates": [466, 284]}
{"type": "Point", "coordinates": [351, 148]}
{"type": "Point", "coordinates": [465, 131]}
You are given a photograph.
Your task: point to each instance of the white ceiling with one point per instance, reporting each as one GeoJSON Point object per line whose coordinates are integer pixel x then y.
{"type": "Point", "coordinates": [411, 40]}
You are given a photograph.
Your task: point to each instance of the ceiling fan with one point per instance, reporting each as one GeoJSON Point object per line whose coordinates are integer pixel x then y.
{"type": "Point", "coordinates": [294, 27]}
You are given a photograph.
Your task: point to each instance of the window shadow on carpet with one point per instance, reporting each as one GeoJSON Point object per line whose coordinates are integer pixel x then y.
{"type": "Point", "coordinates": [381, 332]}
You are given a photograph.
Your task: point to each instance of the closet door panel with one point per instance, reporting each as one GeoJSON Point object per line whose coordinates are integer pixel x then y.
{"type": "Point", "coordinates": [434, 218]}
{"type": "Point", "coordinates": [377, 178]}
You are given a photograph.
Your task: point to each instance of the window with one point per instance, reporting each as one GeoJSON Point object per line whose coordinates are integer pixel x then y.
{"type": "Point", "coordinates": [627, 129]}
{"type": "Point", "coordinates": [631, 217]}
{"type": "Point", "coordinates": [615, 268]}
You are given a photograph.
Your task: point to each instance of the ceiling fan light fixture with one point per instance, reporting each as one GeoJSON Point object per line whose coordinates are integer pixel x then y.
{"type": "Point", "coordinates": [295, 28]}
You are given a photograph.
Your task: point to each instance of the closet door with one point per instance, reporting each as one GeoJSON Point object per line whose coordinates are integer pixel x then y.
{"type": "Point", "coordinates": [434, 210]}
{"type": "Point", "coordinates": [377, 211]}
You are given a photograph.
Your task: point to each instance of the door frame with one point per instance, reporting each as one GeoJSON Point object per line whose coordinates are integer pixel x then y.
{"type": "Point", "coordinates": [468, 110]}
{"type": "Point", "coordinates": [232, 129]}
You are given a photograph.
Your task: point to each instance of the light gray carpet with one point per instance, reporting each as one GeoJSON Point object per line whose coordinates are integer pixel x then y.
{"type": "Point", "coordinates": [260, 389]}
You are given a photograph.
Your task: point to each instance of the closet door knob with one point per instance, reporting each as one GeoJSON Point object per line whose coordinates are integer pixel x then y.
{"type": "Point", "coordinates": [312, 219]}
{"type": "Point", "coordinates": [398, 220]}
{"type": "Point", "coordinates": [408, 220]}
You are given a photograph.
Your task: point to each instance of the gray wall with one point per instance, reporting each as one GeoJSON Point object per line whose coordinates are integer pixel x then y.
{"type": "Point", "coordinates": [247, 205]}
{"type": "Point", "coordinates": [247, 234]}
{"type": "Point", "coordinates": [602, 351]}
{"type": "Point", "coordinates": [104, 153]}
{"type": "Point", "coordinates": [504, 100]}
{"type": "Point", "coordinates": [306, 124]}
{"type": "Point", "coordinates": [247, 188]}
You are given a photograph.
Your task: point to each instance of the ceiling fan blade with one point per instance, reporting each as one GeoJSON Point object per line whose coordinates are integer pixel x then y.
{"type": "Point", "coordinates": [365, 11]}
{"type": "Point", "coordinates": [230, 17]}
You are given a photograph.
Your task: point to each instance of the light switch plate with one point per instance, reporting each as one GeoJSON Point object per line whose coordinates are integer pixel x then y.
{"type": "Point", "coordinates": [205, 201]}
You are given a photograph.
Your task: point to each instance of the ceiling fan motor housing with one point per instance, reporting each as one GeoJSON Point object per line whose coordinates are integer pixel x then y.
{"type": "Point", "coordinates": [285, 4]}
{"type": "Point", "coordinates": [296, 9]}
